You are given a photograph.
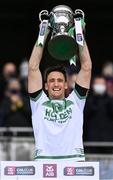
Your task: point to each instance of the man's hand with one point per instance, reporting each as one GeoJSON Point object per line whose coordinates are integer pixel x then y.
{"type": "Point", "coordinates": [43, 33]}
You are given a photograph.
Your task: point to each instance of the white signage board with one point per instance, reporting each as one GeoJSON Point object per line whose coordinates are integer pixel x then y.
{"type": "Point", "coordinates": [48, 170]}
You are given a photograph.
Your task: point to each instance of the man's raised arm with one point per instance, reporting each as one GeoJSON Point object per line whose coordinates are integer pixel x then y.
{"type": "Point", "coordinates": [84, 75]}
{"type": "Point", "coordinates": [34, 74]}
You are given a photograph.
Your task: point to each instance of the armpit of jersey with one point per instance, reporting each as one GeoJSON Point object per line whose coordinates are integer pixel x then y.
{"type": "Point", "coordinates": [36, 95]}
{"type": "Point", "coordinates": [81, 92]}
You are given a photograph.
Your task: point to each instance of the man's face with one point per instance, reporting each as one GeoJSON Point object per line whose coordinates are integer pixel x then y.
{"type": "Point", "coordinates": [9, 69]}
{"type": "Point", "coordinates": [56, 85]}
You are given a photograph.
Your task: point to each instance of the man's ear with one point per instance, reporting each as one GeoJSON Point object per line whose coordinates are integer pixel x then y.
{"type": "Point", "coordinates": [46, 86]}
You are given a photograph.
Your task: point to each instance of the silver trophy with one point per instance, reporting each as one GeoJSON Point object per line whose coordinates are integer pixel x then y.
{"type": "Point", "coordinates": [66, 33]}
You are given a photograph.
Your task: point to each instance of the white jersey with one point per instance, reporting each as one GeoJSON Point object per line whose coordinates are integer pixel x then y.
{"type": "Point", "coordinates": [58, 126]}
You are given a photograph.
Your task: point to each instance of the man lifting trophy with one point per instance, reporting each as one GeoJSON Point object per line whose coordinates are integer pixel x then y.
{"type": "Point", "coordinates": [58, 119]}
{"type": "Point", "coordinates": [67, 31]}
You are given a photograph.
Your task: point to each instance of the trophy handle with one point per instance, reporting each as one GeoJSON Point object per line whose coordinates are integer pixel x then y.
{"type": "Point", "coordinates": [79, 14]}
{"type": "Point", "coordinates": [43, 15]}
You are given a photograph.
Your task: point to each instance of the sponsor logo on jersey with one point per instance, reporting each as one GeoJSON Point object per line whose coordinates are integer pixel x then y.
{"type": "Point", "coordinates": [58, 112]}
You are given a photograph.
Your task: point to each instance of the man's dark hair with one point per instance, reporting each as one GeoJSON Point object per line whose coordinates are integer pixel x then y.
{"type": "Point", "coordinates": [57, 69]}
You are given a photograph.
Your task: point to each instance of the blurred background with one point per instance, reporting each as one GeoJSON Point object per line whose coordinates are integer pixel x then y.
{"type": "Point", "coordinates": [19, 25]}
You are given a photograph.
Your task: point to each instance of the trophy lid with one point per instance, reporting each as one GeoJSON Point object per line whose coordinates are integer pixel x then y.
{"type": "Point", "coordinates": [62, 8]}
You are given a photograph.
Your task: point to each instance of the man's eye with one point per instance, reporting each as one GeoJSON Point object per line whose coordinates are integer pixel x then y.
{"type": "Point", "coordinates": [60, 80]}
{"type": "Point", "coordinates": [51, 80]}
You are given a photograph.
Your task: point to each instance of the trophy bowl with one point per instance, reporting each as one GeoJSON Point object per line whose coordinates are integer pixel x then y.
{"type": "Point", "coordinates": [62, 45]}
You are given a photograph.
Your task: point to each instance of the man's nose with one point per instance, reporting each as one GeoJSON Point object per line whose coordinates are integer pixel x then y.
{"type": "Point", "coordinates": [56, 83]}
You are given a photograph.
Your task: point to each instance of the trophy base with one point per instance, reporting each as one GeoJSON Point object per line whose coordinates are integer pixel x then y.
{"type": "Point", "coordinates": [62, 47]}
